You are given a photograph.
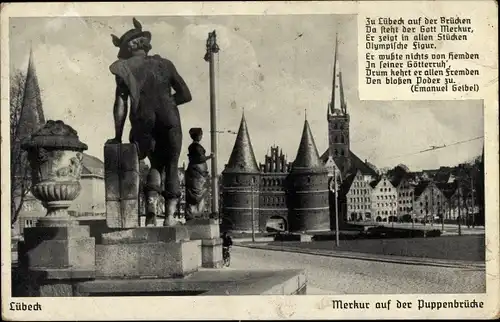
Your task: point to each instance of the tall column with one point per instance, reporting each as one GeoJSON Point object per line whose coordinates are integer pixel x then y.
{"type": "Point", "coordinates": [212, 48]}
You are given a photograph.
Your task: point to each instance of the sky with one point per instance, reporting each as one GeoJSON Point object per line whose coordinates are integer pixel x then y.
{"type": "Point", "coordinates": [264, 68]}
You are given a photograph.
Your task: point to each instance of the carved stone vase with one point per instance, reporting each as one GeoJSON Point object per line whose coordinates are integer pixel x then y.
{"type": "Point", "coordinates": [55, 154]}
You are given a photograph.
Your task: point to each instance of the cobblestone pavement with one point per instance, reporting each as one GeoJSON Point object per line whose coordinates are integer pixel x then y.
{"type": "Point", "coordinates": [328, 275]}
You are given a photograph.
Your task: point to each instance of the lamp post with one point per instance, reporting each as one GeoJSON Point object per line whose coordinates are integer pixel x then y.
{"type": "Point", "coordinates": [334, 189]}
{"type": "Point", "coordinates": [253, 213]}
{"type": "Point", "coordinates": [459, 210]}
{"type": "Point", "coordinates": [213, 48]}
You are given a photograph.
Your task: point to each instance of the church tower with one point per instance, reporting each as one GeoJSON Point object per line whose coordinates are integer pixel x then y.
{"type": "Point", "coordinates": [338, 121]}
{"type": "Point", "coordinates": [31, 116]}
{"type": "Point", "coordinates": [241, 180]}
{"type": "Point", "coordinates": [309, 194]}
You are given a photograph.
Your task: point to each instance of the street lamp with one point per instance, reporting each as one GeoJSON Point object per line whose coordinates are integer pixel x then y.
{"type": "Point", "coordinates": [253, 213]}
{"type": "Point", "coordinates": [334, 189]}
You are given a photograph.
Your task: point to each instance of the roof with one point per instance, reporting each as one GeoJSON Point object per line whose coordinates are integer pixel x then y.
{"type": "Point", "coordinates": [419, 189]}
{"type": "Point", "coordinates": [242, 159]}
{"type": "Point", "coordinates": [375, 182]}
{"type": "Point", "coordinates": [347, 183]}
{"type": "Point", "coordinates": [356, 164]}
{"type": "Point", "coordinates": [307, 154]}
{"type": "Point", "coordinates": [92, 165]}
{"type": "Point", "coordinates": [448, 189]}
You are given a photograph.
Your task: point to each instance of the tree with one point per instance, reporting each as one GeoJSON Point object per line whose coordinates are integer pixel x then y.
{"type": "Point", "coordinates": [20, 180]}
{"type": "Point", "coordinates": [26, 117]}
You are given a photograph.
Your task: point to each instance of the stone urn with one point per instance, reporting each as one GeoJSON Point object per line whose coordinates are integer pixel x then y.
{"type": "Point", "coordinates": [55, 154]}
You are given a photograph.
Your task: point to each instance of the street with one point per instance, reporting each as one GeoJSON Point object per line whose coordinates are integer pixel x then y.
{"type": "Point", "coordinates": [329, 275]}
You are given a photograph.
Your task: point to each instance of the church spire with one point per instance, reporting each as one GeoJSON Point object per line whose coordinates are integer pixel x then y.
{"type": "Point", "coordinates": [338, 99]}
{"type": "Point", "coordinates": [307, 154]}
{"type": "Point", "coordinates": [242, 159]}
{"type": "Point", "coordinates": [31, 114]}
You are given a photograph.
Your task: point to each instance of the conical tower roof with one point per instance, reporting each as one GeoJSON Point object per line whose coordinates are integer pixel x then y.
{"type": "Point", "coordinates": [307, 154]}
{"type": "Point", "coordinates": [338, 102]}
{"type": "Point", "coordinates": [242, 159]}
{"type": "Point", "coordinates": [31, 114]}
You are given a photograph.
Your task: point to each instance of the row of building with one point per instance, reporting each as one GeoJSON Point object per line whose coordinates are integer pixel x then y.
{"type": "Point", "coordinates": [405, 196]}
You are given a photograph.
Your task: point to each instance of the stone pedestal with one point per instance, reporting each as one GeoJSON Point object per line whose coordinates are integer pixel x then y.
{"type": "Point", "coordinates": [58, 247]}
{"type": "Point", "coordinates": [211, 253]}
{"type": "Point", "coordinates": [52, 259]}
{"type": "Point", "coordinates": [121, 166]}
{"type": "Point", "coordinates": [148, 252]}
{"type": "Point", "coordinates": [207, 230]}
{"type": "Point", "coordinates": [146, 235]}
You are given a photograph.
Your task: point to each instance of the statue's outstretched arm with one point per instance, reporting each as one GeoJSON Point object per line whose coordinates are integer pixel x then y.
{"type": "Point", "coordinates": [182, 93]}
{"type": "Point", "coordinates": [120, 108]}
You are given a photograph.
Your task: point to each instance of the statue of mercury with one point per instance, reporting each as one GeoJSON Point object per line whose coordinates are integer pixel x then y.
{"type": "Point", "coordinates": [154, 116]}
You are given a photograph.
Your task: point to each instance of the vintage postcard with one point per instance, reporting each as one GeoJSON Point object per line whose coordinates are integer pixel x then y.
{"type": "Point", "coordinates": [250, 160]}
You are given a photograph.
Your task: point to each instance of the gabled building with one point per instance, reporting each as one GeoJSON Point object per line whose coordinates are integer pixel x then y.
{"type": "Point", "coordinates": [359, 194]}
{"type": "Point", "coordinates": [401, 180]}
{"type": "Point", "coordinates": [384, 200]}
{"type": "Point", "coordinates": [430, 202]}
{"type": "Point", "coordinates": [273, 198]}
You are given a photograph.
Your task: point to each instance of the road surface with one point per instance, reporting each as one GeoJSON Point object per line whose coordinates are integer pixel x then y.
{"type": "Point", "coordinates": [329, 275]}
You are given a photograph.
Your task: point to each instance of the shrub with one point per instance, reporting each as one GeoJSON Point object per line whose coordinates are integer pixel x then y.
{"type": "Point", "coordinates": [287, 237]}
{"type": "Point", "coordinates": [325, 237]}
{"type": "Point", "coordinates": [434, 233]}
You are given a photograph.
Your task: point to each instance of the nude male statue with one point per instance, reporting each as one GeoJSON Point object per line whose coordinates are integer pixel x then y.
{"type": "Point", "coordinates": [156, 126]}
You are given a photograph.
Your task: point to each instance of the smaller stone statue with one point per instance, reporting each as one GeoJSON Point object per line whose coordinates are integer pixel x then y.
{"type": "Point", "coordinates": [196, 176]}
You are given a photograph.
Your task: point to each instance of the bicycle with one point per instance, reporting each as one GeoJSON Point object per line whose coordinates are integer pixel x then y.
{"type": "Point", "coordinates": [226, 256]}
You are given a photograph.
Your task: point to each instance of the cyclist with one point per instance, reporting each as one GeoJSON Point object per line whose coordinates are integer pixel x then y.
{"type": "Point", "coordinates": [227, 242]}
